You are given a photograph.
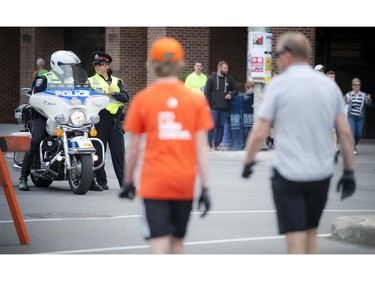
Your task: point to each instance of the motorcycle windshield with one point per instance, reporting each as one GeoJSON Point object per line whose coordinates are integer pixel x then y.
{"type": "Point", "coordinates": [73, 87]}
{"type": "Point", "coordinates": [73, 76]}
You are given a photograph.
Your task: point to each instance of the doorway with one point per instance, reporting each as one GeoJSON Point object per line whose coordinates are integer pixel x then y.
{"type": "Point", "coordinates": [83, 41]}
{"type": "Point", "coordinates": [350, 53]}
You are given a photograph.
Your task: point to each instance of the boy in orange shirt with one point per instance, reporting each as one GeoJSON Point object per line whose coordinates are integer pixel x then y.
{"type": "Point", "coordinates": [176, 121]}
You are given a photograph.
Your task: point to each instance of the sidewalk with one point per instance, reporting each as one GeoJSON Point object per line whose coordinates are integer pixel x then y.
{"type": "Point", "coordinates": [6, 129]}
{"type": "Point", "coordinates": [353, 229]}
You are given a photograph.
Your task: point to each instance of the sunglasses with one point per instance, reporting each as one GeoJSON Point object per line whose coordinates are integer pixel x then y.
{"type": "Point", "coordinates": [279, 53]}
{"type": "Point", "coordinates": [98, 64]}
{"type": "Point", "coordinates": [356, 84]}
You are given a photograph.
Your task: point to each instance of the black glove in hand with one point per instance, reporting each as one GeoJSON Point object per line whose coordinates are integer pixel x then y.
{"type": "Point", "coordinates": [346, 184]}
{"type": "Point", "coordinates": [248, 170]}
{"type": "Point", "coordinates": [204, 200]}
{"type": "Point", "coordinates": [128, 191]}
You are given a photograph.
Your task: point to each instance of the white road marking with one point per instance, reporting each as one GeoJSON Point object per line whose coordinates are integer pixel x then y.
{"type": "Point", "coordinates": [207, 242]}
{"type": "Point", "coordinates": [193, 213]}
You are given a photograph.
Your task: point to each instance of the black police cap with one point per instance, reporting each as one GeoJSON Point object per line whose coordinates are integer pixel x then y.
{"type": "Point", "coordinates": [100, 57]}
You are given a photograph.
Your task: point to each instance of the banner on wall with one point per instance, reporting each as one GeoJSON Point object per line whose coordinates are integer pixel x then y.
{"type": "Point", "coordinates": [259, 62]}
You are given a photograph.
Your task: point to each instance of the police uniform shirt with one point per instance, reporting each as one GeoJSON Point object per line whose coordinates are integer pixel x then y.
{"type": "Point", "coordinates": [121, 96]}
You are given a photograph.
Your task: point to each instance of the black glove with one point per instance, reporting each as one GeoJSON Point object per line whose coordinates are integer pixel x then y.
{"type": "Point", "coordinates": [248, 170]}
{"type": "Point", "coordinates": [346, 184]}
{"type": "Point", "coordinates": [205, 200]}
{"type": "Point", "coordinates": [128, 191]}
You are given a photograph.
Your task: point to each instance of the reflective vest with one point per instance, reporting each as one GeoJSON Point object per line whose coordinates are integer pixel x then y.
{"type": "Point", "coordinates": [97, 82]}
{"type": "Point", "coordinates": [52, 79]}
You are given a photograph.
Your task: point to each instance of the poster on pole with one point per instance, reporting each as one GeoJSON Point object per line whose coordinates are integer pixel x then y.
{"type": "Point", "coordinates": [259, 55]}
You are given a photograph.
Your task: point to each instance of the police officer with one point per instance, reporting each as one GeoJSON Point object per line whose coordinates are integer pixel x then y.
{"type": "Point", "coordinates": [111, 118]}
{"type": "Point", "coordinates": [61, 73]}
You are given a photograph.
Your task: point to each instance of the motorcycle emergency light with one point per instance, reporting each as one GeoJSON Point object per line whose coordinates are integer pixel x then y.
{"type": "Point", "coordinates": [59, 132]}
{"type": "Point", "coordinates": [77, 117]}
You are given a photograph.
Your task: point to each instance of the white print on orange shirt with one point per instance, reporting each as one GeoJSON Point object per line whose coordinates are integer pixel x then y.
{"type": "Point", "coordinates": [169, 129]}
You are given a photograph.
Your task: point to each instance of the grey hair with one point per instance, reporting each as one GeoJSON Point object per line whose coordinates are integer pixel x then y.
{"type": "Point", "coordinates": [356, 80]}
{"type": "Point", "coordinates": [40, 62]}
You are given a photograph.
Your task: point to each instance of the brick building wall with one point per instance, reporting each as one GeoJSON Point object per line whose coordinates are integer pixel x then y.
{"type": "Point", "coordinates": [36, 43]}
{"type": "Point", "coordinates": [308, 31]}
{"type": "Point", "coordinates": [133, 47]}
{"type": "Point", "coordinates": [230, 44]}
{"type": "Point", "coordinates": [153, 33]}
{"type": "Point", "coordinates": [9, 84]}
{"type": "Point", "coordinates": [195, 41]}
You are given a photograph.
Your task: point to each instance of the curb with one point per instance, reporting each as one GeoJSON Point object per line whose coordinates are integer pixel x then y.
{"type": "Point", "coordinates": [355, 229]}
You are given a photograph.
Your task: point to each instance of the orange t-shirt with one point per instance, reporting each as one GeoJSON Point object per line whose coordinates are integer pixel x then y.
{"type": "Point", "coordinates": [170, 115]}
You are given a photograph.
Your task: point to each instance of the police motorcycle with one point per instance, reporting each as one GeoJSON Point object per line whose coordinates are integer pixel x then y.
{"type": "Point", "coordinates": [67, 153]}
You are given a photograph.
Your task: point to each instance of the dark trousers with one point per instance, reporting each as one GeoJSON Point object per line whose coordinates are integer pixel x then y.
{"type": "Point", "coordinates": [110, 133]}
{"type": "Point", "coordinates": [38, 134]}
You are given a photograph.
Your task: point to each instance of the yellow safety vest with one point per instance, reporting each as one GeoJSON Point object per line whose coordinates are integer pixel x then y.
{"type": "Point", "coordinates": [98, 82]}
{"type": "Point", "coordinates": [52, 79]}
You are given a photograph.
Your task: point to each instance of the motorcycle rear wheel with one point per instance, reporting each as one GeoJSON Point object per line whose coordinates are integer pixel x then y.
{"type": "Point", "coordinates": [80, 176]}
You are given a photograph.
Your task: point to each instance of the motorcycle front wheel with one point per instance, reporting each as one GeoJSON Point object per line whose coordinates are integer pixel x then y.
{"type": "Point", "coordinates": [80, 176]}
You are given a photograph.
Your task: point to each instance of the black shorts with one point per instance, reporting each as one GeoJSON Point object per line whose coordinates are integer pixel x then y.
{"type": "Point", "coordinates": [166, 217]}
{"type": "Point", "coordinates": [299, 205]}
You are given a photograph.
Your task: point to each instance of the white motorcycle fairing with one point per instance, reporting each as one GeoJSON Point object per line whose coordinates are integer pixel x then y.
{"type": "Point", "coordinates": [64, 102]}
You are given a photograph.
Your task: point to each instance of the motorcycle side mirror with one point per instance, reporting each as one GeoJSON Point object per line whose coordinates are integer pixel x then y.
{"type": "Point", "coordinates": [25, 92]}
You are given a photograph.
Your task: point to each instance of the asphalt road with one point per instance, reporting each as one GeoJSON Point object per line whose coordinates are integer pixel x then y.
{"type": "Point", "coordinates": [242, 220]}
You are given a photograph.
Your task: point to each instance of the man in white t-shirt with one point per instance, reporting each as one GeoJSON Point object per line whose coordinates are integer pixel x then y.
{"type": "Point", "coordinates": [302, 105]}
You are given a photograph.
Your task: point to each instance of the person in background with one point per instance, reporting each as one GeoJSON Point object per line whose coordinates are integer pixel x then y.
{"type": "Point", "coordinates": [176, 148]}
{"type": "Point", "coordinates": [40, 70]}
{"type": "Point", "coordinates": [320, 68]}
{"type": "Point", "coordinates": [111, 119]}
{"type": "Point", "coordinates": [197, 79]}
{"type": "Point", "coordinates": [219, 91]}
{"type": "Point", "coordinates": [331, 74]}
{"type": "Point", "coordinates": [356, 101]}
{"type": "Point", "coordinates": [249, 88]}
{"type": "Point", "coordinates": [303, 166]}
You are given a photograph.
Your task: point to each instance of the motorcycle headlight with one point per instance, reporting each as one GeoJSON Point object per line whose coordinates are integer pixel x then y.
{"type": "Point", "coordinates": [77, 117]}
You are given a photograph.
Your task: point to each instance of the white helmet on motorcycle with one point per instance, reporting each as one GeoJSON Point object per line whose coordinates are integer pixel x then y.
{"type": "Point", "coordinates": [63, 57]}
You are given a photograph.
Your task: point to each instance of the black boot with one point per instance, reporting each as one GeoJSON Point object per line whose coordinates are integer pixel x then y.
{"type": "Point", "coordinates": [23, 186]}
{"type": "Point", "coordinates": [95, 186]}
{"type": "Point", "coordinates": [25, 171]}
